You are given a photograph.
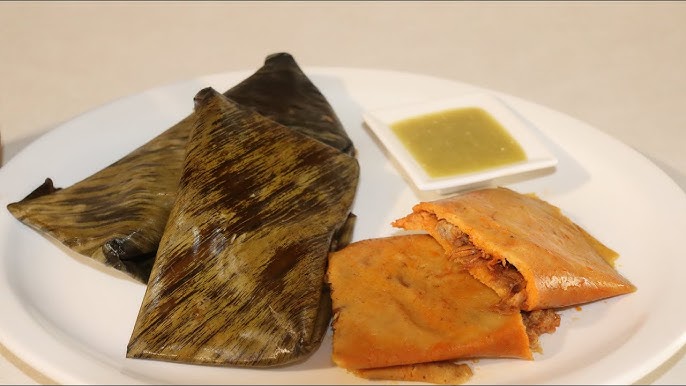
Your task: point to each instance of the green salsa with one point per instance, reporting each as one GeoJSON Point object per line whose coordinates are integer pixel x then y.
{"type": "Point", "coordinates": [458, 141]}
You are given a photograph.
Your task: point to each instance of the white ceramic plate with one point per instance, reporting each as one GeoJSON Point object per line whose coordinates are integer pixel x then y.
{"type": "Point", "coordinates": [71, 320]}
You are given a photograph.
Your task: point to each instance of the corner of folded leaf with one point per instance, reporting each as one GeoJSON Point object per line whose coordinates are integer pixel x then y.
{"type": "Point", "coordinates": [204, 96]}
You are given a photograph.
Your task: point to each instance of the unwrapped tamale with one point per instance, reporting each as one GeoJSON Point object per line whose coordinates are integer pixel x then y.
{"type": "Point", "coordinates": [400, 300]}
{"type": "Point", "coordinates": [522, 247]}
{"type": "Point", "coordinates": [117, 215]}
{"type": "Point", "coordinates": [239, 275]}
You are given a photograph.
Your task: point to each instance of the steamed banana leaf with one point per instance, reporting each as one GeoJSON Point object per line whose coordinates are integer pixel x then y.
{"type": "Point", "coordinates": [117, 215]}
{"type": "Point", "coordinates": [239, 275]}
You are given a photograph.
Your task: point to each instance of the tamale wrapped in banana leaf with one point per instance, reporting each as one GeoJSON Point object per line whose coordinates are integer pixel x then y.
{"type": "Point", "coordinates": [117, 215]}
{"type": "Point", "coordinates": [239, 277]}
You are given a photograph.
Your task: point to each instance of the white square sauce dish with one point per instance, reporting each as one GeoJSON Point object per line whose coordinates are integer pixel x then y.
{"type": "Point", "coordinates": [443, 146]}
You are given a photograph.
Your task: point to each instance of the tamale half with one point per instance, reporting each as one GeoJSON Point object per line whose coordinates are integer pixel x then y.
{"type": "Point", "coordinates": [399, 300]}
{"type": "Point", "coordinates": [239, 275]}
{"type": "Point", "coordinates": [524, 248]}
{"type": "Point", "coordinates": [116, 216]}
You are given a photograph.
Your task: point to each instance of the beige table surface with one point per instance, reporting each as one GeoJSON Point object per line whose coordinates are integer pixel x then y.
{"type": "Point", "coordinates": [620, 67]}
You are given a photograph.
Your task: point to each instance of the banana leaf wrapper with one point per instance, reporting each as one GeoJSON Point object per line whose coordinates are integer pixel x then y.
{"type": "Point", "coordinates": [117, 215]}
{"type": "Point", "coordinates": [239, 278]}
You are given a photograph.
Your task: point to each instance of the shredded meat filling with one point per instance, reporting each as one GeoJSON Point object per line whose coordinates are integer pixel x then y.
{"type": "Point", "coordinates": [539, 322]}
{"type": "Point", "coordinates": [495, 272]}
{"type": "Point", "coordinates": [502, 277]}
